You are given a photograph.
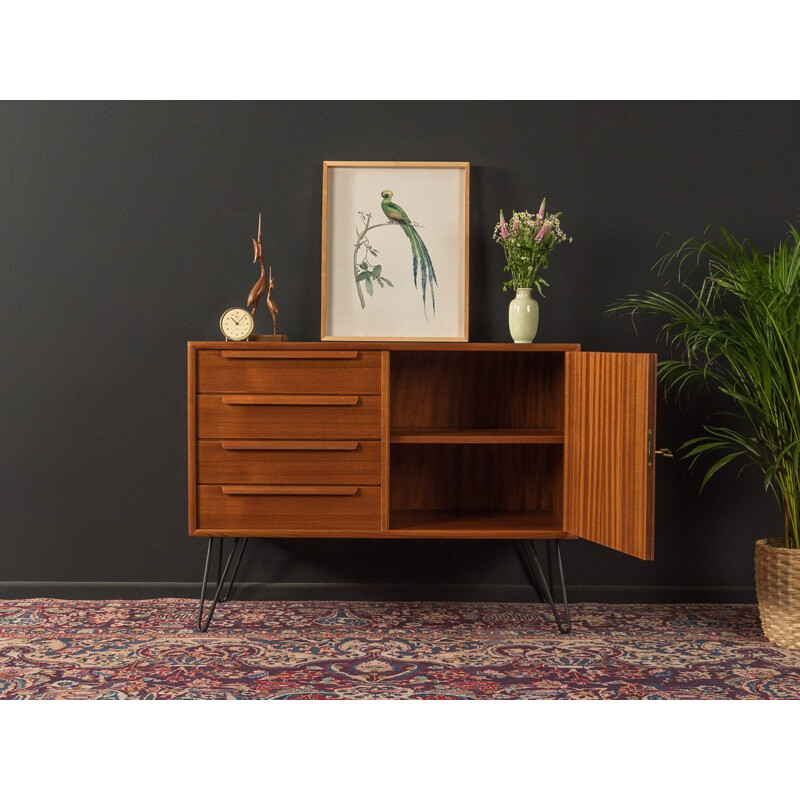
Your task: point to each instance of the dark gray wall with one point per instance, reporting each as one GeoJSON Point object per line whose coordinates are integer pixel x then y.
{"type": "Point", "coordinates": [125, 231]}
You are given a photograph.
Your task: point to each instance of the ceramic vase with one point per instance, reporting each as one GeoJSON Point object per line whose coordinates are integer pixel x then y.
{"type": "Point", "coordinates": [523, 317]}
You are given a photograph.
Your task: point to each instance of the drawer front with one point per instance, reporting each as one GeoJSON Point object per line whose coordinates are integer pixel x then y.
{"type": "Point", "coordinates": [288, 417]}
{"type": "Point", "coordinates": [287, 508]}
{"type": "Point", "coordinates": [289, 461]}
{"type": "Point", "coordinates": [292, 371]}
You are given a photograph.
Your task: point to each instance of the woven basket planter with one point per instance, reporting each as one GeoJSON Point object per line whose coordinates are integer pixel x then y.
{"type": "Point", "coordinates": [778, 592]}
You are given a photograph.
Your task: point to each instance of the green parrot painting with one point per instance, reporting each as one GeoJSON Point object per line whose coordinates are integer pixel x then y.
{"type": "Point", "coordinates": [421, 259]}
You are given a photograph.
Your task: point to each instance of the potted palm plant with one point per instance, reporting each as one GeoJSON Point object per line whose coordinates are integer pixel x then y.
{"type": "Point", "coordinates": [733, 323]}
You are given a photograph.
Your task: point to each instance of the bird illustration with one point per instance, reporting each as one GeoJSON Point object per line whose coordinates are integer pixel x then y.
{"type": "Point", "coordinates": [419, 253]}
{"type": "Point", "coordinates": [260, 286]}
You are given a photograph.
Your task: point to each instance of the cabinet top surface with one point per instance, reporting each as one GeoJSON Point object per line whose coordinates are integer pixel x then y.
{"type": "Point", "coordinates": [358, 345]}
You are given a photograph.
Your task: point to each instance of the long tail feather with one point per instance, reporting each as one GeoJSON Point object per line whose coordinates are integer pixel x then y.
{"type": "Point", "coordinates": [424, 283]}
{"type": "Point", "coordinates": [425, 256]}
{"type": "Point", "coordinates": [421, 260]}
{"type": "Point", "coordinates": [415, 255]}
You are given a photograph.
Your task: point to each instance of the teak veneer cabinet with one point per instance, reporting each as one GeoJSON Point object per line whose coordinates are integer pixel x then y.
{"type": "Point", "coordinates": [415, 440]}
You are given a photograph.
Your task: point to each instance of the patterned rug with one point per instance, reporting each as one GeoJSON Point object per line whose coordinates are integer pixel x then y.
{"type": "Point", "coordinates": [61, 649]}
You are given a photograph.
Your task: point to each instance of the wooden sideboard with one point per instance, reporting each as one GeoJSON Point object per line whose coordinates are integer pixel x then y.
{"type": "Point", "coordinates": [422, 440]}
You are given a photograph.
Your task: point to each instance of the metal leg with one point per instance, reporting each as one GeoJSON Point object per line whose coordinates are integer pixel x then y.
{"type": "Point", "coordinates": [535, 572]}
{"type": "Point", "coordinates": [202, 625]}
{"type": "Point", "coordinates": [527, 563]}
{"type": "Point", "coordinates": [235, 570]}
{"type": "Point", "coordinates": [555, 545]}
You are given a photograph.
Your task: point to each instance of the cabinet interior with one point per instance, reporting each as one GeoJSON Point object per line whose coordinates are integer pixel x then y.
{"type": "Point", "coordinates": [443, 390]}
{"type": "Point", "coordinates": [476, 441]}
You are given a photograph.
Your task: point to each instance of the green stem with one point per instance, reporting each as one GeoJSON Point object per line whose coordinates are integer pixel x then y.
{"type": "Point", "coordinates": [358, 245]}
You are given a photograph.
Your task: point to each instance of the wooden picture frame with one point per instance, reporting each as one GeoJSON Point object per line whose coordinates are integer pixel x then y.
{"type": "Point", "coordinates": [395, 251]}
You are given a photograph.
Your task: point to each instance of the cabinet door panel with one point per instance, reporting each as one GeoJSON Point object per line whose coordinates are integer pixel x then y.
{"type": "Point", "coordinates": [609, 436]}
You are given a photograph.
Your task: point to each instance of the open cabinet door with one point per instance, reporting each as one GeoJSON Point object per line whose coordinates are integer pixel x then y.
{"type": "Point", "coordinates": [609, 438]}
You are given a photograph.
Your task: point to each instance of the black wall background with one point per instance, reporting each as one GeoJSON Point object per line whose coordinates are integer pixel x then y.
{"type": "Point", "coordinates": [125, 231]}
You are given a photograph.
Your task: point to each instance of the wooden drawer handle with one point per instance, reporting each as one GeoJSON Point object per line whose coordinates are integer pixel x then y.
{"type": "Point", "coordinates": [291, 490]}
{"type": "Point", "coordinates": [287, 444]}
{"type": "Point", "coordinates": [307, 354]}
{"type": "Point", "coordinates": [290, 399]}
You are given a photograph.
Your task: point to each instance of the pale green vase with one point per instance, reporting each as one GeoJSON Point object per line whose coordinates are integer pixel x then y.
{"type": "Point", "coordinates": [523, 317]}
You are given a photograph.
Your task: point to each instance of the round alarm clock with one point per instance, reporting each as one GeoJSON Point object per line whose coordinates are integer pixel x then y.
{"type": "Point", "coordinates": [236, 324]}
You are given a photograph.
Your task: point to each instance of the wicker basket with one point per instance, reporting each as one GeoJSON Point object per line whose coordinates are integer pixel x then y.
{"type": "Point", "coordinates": [778, 591]}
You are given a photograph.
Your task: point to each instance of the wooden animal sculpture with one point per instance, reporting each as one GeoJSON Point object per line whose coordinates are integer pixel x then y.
{"type": "Point", "coordinates": [273, 309]}
{"type": "Point", "coordinates": [260, 286]}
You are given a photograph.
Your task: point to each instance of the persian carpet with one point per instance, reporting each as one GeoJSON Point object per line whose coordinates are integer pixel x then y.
{"type": "Point", "coordinates": [63, 649]}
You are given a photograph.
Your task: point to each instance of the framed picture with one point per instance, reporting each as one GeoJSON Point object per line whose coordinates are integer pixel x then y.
{"type": "Point", "coordinates": [395, 251]}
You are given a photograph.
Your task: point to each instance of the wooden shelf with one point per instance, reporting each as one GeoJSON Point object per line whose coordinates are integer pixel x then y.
{"type": "Point", "coordinates": [476, 436]}
{"type": "Point", "coordinates": [512, 524]}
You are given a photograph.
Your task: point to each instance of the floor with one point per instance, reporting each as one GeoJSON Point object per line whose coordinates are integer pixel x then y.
{"type": "Point", "coordinates": [149, 649]}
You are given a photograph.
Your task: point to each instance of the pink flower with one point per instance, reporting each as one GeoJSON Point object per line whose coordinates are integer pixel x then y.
{"type": "Point", "coordinates": [503, 226]}
{"type": "Point", "coordinates": [515, 225]}
{"type": "Point", "coordinates": [541, 209]}
{"type": "Point", "coordinates": [543, 232]}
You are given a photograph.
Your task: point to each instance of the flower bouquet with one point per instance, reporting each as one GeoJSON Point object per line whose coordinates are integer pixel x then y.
{"type": "Point", "coordinates": [527, 240]}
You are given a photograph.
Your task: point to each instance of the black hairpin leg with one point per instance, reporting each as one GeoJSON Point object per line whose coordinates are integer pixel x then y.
{"type": "Point", "coordinates": [238, 545]}
{"type": "Point", "coordinates": [235, 569]}
{"type": "Point", "coordinates": [536, 577]}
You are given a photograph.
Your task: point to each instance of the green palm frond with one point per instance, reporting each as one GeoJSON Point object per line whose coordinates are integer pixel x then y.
{"type": "Point", "coordinates": [732, 324]}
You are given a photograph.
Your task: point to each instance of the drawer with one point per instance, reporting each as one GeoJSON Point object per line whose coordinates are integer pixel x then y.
{"type": "Point", "coordinates": [293, 371]}
{"type": "Point", "coordinates": [288, 416]}
{"type": "Point", "coordinates": [289, 461]}
{"type": "Point", "coordinates": [288, 508]}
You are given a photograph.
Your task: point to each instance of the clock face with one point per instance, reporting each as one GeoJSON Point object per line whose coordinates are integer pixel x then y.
{"type": "Point", "coordinates": [236, 324]}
